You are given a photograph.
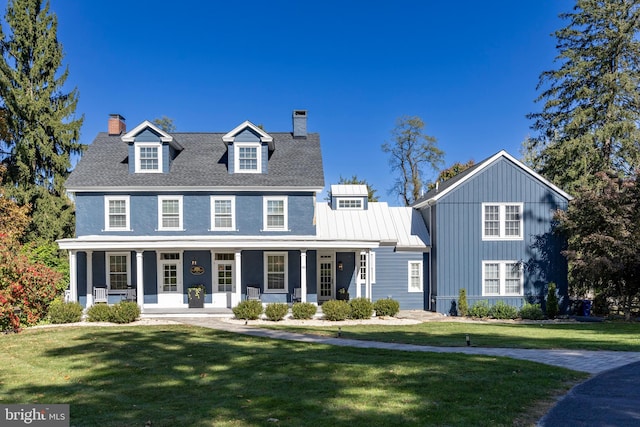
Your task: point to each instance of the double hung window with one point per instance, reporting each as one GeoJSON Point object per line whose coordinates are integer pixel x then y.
{"type": "Point", "coordinates": [502, 221]}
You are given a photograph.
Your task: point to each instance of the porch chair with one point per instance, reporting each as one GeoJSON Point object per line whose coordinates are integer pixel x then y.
{"type": "Point", "coordinates": [296, 295]}
{"type": "Point", "coordinates": [100, 295]}
{"type": "Point", "coordinates": [129, 295]}
{"type": "Point", "coordinates": [67, 295]}
{"type": "Point", "coordinates": [253, 293]}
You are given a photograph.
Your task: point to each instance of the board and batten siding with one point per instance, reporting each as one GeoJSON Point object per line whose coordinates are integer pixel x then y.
{"type": "Point", "coordinates": [392, 278]}
{"type": "Point", "coordinates": [457, 235]}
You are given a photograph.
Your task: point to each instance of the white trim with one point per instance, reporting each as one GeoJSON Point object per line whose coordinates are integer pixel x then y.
{"type": "Point", "coordinates": [502, 278]}
{"type": "Point", "coordinates": [350, 199]}
{"type": "Point", "coordinates": [127, 205]}
{"type": "Point", "coordinates": [180, 213]}
{"type": "Point", "coordinates": [236, 157]}
{"type": "Point", "coordinates": [411, 289]}
{"type": "Point", "coordinates": [502, 222]}
{"type": "Point", "coordinates": [138, 166]}
{"type": "Point", "coordinates": [264, 137]}
{"type": "Point", "coordinates": [107, 267]}
{"type": "Point", "coordinates": [214, 199]}
{"type": "Point", "coordinates": [131, 135]}
{"type": "Point", "coordinates": [266, 272]}
{"type": "Point", "coordinates": [184, 189]}
{"type": "Point", "coordinates": [285, 207]}
{"type": "Point", "coordinates": [179, 269]}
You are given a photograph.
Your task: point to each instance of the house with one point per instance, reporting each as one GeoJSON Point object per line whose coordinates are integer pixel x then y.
{"type": "Point", "coordinates": [492, 233]}
{"type": "Point", "coordinates": [159, 212]}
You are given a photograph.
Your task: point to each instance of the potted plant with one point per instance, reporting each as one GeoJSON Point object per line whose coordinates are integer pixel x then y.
{"type": "Point", "coordinates": [343, 294]}
{"type": "Point", "coordinates": [196, 295]}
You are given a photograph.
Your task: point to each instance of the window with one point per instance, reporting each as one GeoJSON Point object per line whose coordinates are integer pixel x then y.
{"type": "Point", "coordinates": [350, 204]}
{"type": "Point", "coordinates": [275, 272]}
{"type": "Point", "coordinates": [116, 213]}
{"type": "Point", "coordinates": [118, 270]}
{"type": "Point", "coordinates": [170, 212]}
{"type": "Point", "coordinates": [224, 270]}
{"type": "Point", "coordinates": [223, 213]}
{"type": "Point", "coordinates": [170, 272]}
{"type": "Point", "coordinates": [502, 278]}
{"type": "Point", "coordinates": [415, 276]}
{"type": "Point", "coordinates": [148, 158]}
{"type": "Point", "coordinates": [275, 213]}
{"type": "Point", "coordinates": [248, 157]}
{"type": "Point", "coordinates": [362, 271]}
{"type": "Point", "coordinates": [502, 221]}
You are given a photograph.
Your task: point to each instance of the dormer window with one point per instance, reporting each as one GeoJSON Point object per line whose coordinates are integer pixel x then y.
{"type": "Point", "coordinates": [148, 158]}
{"type": "Point", "coordinates": [248, 157]}
{"type": "Point", "coordinates": [353, 204]}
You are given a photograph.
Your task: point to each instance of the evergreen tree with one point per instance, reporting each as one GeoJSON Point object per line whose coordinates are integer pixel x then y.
{"type": "Point", "coordinates": [412, 152]}
{"type": "Point", "coordinates": [452, 171]}
{"type": "Point", "coordinates": [591, 103]}
{"type": "Point", "coordinates": [42, 130]}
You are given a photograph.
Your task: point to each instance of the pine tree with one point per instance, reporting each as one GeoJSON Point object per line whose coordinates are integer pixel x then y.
{"type": "Point", "coordinates": [42, 129]}
{"type": "Point", "coordinates": [591, 103]}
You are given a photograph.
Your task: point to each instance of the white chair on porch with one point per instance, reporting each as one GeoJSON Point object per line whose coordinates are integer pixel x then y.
{"type": "Point", "coordinates": [296, 295]}
{"type": "Point", "coordinates": [100, 295]}
{"type": "Point", "coordinates": [129, 295]}
{"type": "Point", "coordinates": [253, 293]}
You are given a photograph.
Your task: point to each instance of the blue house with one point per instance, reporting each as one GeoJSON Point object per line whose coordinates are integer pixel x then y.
{"type": "Point", "coordinates": [492, 233]}
{"type": "Point", "coordinates": [158, 213]}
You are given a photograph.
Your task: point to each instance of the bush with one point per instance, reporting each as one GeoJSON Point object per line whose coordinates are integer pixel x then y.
{"type": "Point", "coordinates": [502, 310]}
{"type": "Point", "coordinates": [336, 310]}
{"type": "Point", "coordinates": [361, 308]}
{"type": "Point", "coordinates": [303, 310]}
{"type": "Point", "coordinates": [249, 310]}
{"type": "Point", "coordinates": [125, 312]}
{"type": "Point", "coordinates": [552, 301]}
{"type": "Point", "coordinates": [99, 313]}
{"type": "Point", "coordinates": [64, 312]}
{"type": "Point", "coordinates": [480, 309]}
{"type": "Point", "coordinates": [276, 311]}
{"type": "Point", "coordinates": [531, 311]}
{"type": "Point", "coordinates": [386, 307]}
{"type": "Point", "coordinates": [463, 306]}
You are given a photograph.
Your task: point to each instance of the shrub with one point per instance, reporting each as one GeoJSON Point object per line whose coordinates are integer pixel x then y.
{"type": "Point", "coordinates": [552, 301]}
{"type": "Point", "coordinates": [336, 310]}
{"type": "Point", "coordinates": [601, 305]}
{"type": "Point", "coordinates": [479, 309]}
{"type": "Point", "coordinates": [276, 311]}
{"type": "Point", "coordinates": [303, 310]}
{"type": "Point", "coordinates": [463, 306]}
{"type": "Point", "coordinates": [386, 307]}
{"type": "Point", "coordinates": [361, 308]}
{"type": "Point", "coordinates": [125, 312]}
{"type": "Point", "coordinates": [99, 313]}
{"type": "Point", "coordinates": [531, 311]}
{"type": "Point", "coordinates": [64, 312]}
{"type": "Point", "coordinates": [249, 310]}
{"type": "Point", "coordinates": [502, 310]}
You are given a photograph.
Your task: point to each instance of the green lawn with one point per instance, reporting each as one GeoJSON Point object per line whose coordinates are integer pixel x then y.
{"type": "Point", "coordinates": [619, 336]}
{"type": "Point", "coordinates": [188, 376]}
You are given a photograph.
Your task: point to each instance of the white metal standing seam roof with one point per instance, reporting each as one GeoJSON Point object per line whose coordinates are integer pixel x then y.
{"type": "Point", "coordinates": [349, 190]}
{"type": "Point", "coordinates": [390, 226]}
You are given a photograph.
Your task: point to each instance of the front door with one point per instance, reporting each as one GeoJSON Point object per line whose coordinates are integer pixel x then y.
{"type": "Point", "coordinates": [223, 286]}
{"type": "Point", "coordinates": [170, 279]}
{"type": "Point", "coordinates": [326, 277]}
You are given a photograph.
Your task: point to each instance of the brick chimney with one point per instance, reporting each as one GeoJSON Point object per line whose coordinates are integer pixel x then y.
{"type": "Point", "coordinates": [299, 123]}
{"type": "Point", "coordinates": [117, 125]}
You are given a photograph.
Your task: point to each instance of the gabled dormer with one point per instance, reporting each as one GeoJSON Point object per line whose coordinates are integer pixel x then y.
{"type": "Point", "coordinates": [151, 150]}
{"type": "Point", "coordinates": [248, 149]}
{"type": "Point", "coordinates": [349, 197]}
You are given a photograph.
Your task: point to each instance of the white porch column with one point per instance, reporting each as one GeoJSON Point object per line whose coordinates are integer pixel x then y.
{"type": "Point", "coordinates": [238, 275]}
{"type": "Point", "coordinates": [367, 281]}
{"type": "Point", "coordinates": [139, 281]}
{"type": "Point", "coordinates": [73, 275]}
{"type": "Point", "coordinates": [89, 278]}
{"type": "Point", "coordinates": [366, 273]}
{"type": "Point", "coordinates": [303, 276]}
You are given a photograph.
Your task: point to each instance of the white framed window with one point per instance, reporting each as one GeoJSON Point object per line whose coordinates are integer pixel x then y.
{"type": "Point", "coordinates": [362, 267]}
{"type": "Point", "coordinates": [170, 272]}
{"type": "Point", "coordinates": [275, 213]}
{"type": "Point", "coordinates": [248, 157]}
{"type": "Point", "coordinates": [116, 213]}
{"type": "Point", "coordinates": [170, 213]}
{"type": "Point", "coordinates": [148, 157]}
{"type": "Point", "coordinates": [275, 272]}
{"type": "Point", "coordinates": [118, 271]}
{"type": "Point", "coordinates": [502, 221]}
{"type": "Point", "coordinates": [502, 278]}
{"type": "Point", "coordinates": [414, 269]}
{"type": "Point", "coordinates": [223, 213]}
{"type": "Point", "coordinates": [223, 271]}
{"type": "Point", "coordinates": [350, 203]}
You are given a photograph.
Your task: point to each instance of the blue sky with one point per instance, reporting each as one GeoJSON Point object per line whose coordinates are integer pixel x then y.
{"type": "Point", "coordinates": [469, 69]}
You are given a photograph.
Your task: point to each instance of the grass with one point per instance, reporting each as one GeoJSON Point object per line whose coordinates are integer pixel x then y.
{"type": "Point", "coordinates": [189, 376]}
{"type": "Point", "coordinates": [617, 336]}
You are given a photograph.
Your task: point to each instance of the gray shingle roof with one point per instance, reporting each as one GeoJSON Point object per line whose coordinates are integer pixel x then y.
{"type": "Point", "coordinates": [295, 162]}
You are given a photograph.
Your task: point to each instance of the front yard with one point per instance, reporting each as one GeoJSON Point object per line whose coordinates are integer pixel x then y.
{"type": "Point", "coordinates": [176, 375]}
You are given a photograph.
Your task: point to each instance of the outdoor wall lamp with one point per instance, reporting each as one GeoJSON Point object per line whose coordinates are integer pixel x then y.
{"type": "Point", "coordinates": [194, 262]}
{"type": "Point", "coordinates": [340, 266]}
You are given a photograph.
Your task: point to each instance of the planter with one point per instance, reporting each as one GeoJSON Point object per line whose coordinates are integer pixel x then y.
{"type": "Point", "coordinates": [196, 296]}
{"type": "Point", "coordinates": [344, 296]}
